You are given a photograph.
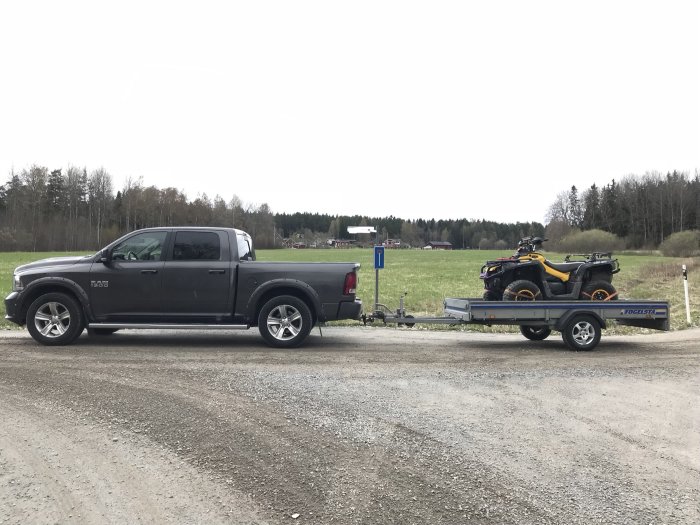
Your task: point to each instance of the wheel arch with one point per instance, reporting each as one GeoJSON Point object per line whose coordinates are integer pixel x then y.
{"type": "Point", "coordinates": [297, 289]}
{"type": "Point", "coordinates": [564, 319]}
{"type": "Point", "coordinates": [52, 285]}
{"type": "Point", "coordinates": [597, 272]}
{"type": "Point", "coordinates": [525, 272]}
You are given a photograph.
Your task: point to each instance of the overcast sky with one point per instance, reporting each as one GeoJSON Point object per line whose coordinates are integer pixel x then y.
{"type": "Point", "coordinates": [413, 109]}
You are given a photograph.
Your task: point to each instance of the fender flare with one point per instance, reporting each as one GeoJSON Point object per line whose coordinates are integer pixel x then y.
{"type": "Point", "coordinates": [55, 282]}
{"type": "Point", "coordinates": [529, 271]}
{"type": "Point", "coordinates": [564, 319]}
{"type": "Point", "coordinates": [254, 302]}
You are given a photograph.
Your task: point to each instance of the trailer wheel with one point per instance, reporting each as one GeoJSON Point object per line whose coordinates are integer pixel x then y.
{"type": "Point", "coordinates": [535, 333]}
{"type": "Point", "coordinates": [285, 321]}
{"type": "Point", "coordinates": [582, 332]}
{"type": "Point", "coordinates": [410, 325]}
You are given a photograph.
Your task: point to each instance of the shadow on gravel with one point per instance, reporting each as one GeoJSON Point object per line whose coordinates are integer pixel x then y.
{"type": "Point", "coordinates": [250, 342]}
{"type": "Point", "coordinates": [244, 341]}
{"type": "Point", "coordinates": [555, 344]}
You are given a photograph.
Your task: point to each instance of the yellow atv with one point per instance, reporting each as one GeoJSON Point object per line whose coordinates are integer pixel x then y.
{"type": "Point", "coordinates": [529, 276]}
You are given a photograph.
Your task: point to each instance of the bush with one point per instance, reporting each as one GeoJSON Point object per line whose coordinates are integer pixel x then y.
{"type": "Point", "coordinates": [591, 241]}
{"type": "Point", "coordinates": [681, 244]}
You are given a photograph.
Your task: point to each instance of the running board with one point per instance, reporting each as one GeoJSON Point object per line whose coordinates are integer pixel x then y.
{"type": "Point", "coordinates": [170, 326]}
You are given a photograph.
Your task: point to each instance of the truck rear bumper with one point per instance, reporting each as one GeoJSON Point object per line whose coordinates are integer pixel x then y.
{"type": "Point", "coordinates": [345, 310]}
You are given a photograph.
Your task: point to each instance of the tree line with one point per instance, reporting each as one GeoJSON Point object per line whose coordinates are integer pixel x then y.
{"type": "Point", "coordinates": [642, 210]}
{"type": "Point", "coordinates": [74, 209]}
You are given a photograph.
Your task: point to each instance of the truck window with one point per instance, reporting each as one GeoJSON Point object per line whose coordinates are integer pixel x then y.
{"type": "Point", "coordinates": [245, 248]}
{"type": "Point", "coordinates": [197, 246]}
{"type": "Point", "coordinates": [142, 247]}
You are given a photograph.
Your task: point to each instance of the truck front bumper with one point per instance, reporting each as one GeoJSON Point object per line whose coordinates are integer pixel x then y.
{"type": "Point", "coordinates": [11, 308]}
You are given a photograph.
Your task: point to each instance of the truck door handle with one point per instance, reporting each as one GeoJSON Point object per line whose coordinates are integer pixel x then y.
{"type": "Point", "coordinates": [217, 271]}
{"type": "Point", "coordinates": [149, 271]}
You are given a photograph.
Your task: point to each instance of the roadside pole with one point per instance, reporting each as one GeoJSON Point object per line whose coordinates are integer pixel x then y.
{"type": "Point", "coordinates": [687, 298]}
{"type": "Point", "coordinates": [378, 265]}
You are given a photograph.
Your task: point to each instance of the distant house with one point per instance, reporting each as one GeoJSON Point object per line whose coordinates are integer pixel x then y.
{"type": "Point", "coordinates": [438, 245]}
{"type": "Point", "coordinates": [392, 243]}
{"type": "Point", "coordinates": [341, 243]}
{"type": "Point", "coordinates": [299, 245]}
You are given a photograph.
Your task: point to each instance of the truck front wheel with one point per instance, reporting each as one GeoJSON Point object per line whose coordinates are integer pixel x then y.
{"type": "Point", "coordinates": [55, 319]}
{"type": "Point", "coordinates": [284, 321]}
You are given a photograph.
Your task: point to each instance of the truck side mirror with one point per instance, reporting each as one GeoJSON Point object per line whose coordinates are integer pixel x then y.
{"type": "Point", "coordinates": [105, 256]}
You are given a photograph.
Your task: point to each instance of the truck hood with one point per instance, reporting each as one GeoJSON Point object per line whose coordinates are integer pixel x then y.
{"type": "Point", "coordinates": [52, 262]}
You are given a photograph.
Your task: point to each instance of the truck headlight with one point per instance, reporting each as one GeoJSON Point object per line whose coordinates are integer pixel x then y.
{"type": "Point", "coordinates": [17, 285]}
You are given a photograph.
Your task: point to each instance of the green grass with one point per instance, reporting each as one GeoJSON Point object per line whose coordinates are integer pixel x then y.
{"type": "Point", "coordinates": [429, 276]}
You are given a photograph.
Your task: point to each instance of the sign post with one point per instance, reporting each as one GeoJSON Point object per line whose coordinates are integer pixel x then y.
{"type": "Point", "coordinates": [378, 265]}
{"type": "Point", "coordinates": [687, 299]}
{"type": "Point", "coordinates": [378, 258]}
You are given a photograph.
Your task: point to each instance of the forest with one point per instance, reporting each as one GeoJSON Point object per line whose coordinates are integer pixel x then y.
{"type": "Point", "coordinates": [640, 210]}
{"type": "Point", "coordinates": [76, 209]}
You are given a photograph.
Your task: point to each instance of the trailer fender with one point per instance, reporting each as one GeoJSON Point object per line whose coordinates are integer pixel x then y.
{"type": "Point", "coordinates": [564, 319]}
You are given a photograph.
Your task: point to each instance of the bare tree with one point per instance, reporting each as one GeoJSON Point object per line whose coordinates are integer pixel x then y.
{"type": "Point", "coordinates": [99, 198]}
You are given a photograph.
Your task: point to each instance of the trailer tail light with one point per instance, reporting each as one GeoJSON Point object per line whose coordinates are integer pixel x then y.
{"type": "Point", "coordinates": [350, 283]}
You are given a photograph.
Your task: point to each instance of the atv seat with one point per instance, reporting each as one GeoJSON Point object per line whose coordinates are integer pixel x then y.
{"type": "Point", "coordinates": [565, 267]}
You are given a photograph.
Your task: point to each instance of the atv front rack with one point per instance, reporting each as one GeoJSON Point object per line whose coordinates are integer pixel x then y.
{"type": "Point", "coordinates": [592, 257]}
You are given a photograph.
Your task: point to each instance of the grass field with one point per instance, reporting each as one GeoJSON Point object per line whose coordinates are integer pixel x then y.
{"type": "Point", "coordinates": [429, 276]}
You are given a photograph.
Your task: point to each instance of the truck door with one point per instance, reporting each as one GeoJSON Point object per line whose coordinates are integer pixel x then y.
{"type": "Point", "coordinates": [128, 286]}
{"type": "Point", "coordinates": [197, 275]}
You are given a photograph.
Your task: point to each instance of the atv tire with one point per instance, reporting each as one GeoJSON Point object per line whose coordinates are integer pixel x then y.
{"type": "Point", "coordinates": [522, 291]}
{"type": "Point", "coordinates": [490, 295]}
{"type": "Point", "coordinates": [598, 291]}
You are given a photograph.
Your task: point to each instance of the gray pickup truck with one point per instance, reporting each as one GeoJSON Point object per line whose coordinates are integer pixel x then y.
{"type": "Point", "coordinates": [180, 278]}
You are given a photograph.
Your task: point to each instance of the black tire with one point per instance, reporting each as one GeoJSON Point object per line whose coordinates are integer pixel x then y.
{"type": "Point", "coordinates": [285, 321]}
{"type": "Point", "coordinates": [490, 295]}
{"type": "Point", "coordinates": [101, 332]}
{"type": "Point", "coordinates": [410, 325]}
{"type": "Point", "coordinates": [522, 291]}
{"type": "Point", "coordinates": [535, 333]}
{"type": "Point", "coordinates": [582, 332]}
{"type": "Point", "coordinates": [598, 291]}
{"type": "Point", "coordinates": [55, 319]}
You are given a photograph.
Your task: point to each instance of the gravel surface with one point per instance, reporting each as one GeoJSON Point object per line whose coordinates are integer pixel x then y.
{"type": "Point", "coordinates": [362, 425]}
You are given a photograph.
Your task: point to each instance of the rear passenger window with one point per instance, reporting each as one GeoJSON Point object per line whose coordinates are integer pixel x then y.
{"type": "Point", "coordinates": [197, 246]}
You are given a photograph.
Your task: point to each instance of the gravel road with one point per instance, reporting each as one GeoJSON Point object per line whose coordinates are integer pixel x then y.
{"type": "Point", "coordinates": [362, 425]}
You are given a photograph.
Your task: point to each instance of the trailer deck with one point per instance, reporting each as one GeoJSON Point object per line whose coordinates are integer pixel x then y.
{"type": "Point", "coordinates": [580, 322]}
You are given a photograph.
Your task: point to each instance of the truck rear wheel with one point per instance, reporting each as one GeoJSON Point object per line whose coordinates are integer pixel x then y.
{"type": "Point", "coordinates": [55, 319]}
{"type": "Point", "coordinates": [582, 332]}
{"type": "Point", "coordinates": [284, 321]}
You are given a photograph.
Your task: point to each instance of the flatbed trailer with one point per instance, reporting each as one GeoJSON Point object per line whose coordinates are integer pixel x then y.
{"type": "Point", "coordinates": [580, 322]}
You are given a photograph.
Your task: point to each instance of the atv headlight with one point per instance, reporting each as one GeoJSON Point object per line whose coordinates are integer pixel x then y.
{"type": "Point", "coordinates": [17, 285]}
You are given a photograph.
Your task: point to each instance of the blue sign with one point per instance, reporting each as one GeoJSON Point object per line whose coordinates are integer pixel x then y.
{"type": "Point", "coordinates": [378, 257]}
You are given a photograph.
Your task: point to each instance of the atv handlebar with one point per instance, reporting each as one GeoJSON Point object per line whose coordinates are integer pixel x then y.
{"type": "Point", "coordinates": [529, 245]}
